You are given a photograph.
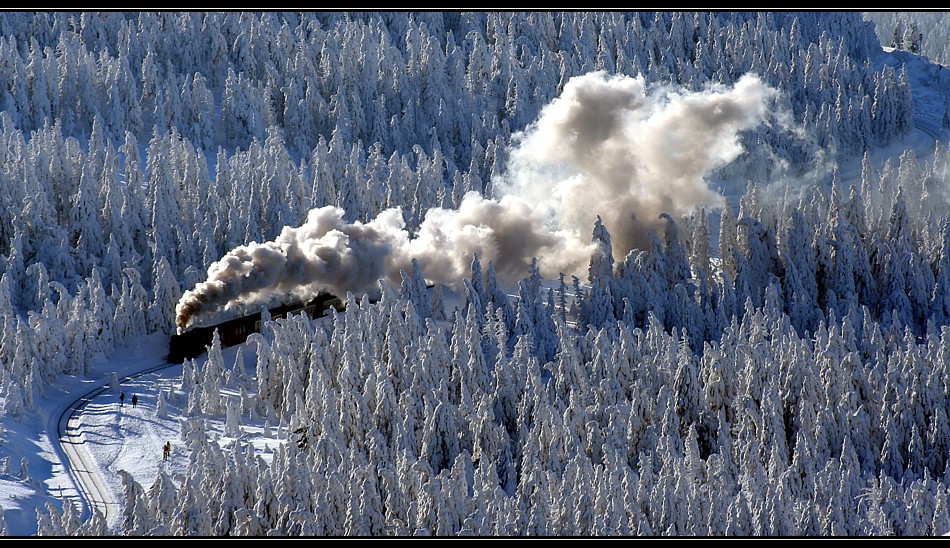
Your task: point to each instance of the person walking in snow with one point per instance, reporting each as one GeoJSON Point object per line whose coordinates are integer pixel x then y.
{"type": "Point", "coordinates": [166, 450]}
{"type": "Point", "coordinates": [121, 399]}
{"type": "Point", "coordinates": [135, 400]}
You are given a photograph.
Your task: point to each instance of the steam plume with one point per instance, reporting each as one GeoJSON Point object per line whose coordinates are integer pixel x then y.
{"type": "Point", "coordinates": [605, 147]}
{"type": "Point", "coordinates": [327, 254]}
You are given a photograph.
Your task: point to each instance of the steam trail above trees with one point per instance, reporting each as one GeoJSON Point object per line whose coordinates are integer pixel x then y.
{"type": "Point", "coordinates": [609, 145]}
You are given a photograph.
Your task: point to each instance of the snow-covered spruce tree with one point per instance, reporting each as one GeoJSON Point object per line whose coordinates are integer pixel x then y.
{"type": "Point", "coordinates": [211, 377]}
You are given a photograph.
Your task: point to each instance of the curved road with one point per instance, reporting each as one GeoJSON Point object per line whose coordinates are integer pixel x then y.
{"type": "Point", "coordinates": [82, 468]}
{"type": "Point", "coordinates": [94, 493]}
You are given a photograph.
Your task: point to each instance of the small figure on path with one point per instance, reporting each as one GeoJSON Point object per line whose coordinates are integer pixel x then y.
{"type": "Point", "coordinates": [121, 399]}
{"type": "Point", "coordinates": [166, 450]}
{"type": "Point", "coordinates": [135, 400]}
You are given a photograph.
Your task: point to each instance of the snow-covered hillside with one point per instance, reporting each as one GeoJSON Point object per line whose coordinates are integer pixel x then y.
{"type": "Point", "coordinates": [674, 273]}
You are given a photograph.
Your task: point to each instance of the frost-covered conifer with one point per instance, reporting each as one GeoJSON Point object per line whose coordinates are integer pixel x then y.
{"type": "Point", "coordinates": [211, 378]}
{"type": "Point", "coordinates": [601, 269]}
{"type": "Point", "coordinates": [167, 291]}
{"type": "Point", "coordinates": [136, 520]}
{"type": "Point", "coordinates": [48, 522]}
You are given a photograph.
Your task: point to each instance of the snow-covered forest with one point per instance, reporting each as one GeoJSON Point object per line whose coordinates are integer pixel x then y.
{"type": "Point", "coordinates": [766, 352]}
{"type": "Point", "coordinates": [923, 32]}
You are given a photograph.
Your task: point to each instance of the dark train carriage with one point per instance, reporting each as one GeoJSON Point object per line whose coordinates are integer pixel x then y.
{"type": "Point", "coordinates": [195, 341]}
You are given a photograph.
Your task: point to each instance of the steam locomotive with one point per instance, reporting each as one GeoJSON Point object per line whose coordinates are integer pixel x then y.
{"type": "Point", "coordinates": [195, 341]}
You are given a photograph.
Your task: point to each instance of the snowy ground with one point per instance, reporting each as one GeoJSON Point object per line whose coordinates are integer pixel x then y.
{"type": "Point", "coordinates": [117, 435]}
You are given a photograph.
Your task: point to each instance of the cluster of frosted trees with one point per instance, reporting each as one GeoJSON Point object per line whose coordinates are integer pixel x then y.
{"type": "Point", "coordinates": [813, 400]}
{"type": "Point", "coordinates": [137, 148]}
{"type": "Point", "coordinates": [222, 79]}
{"type": "Point", "coordinates": [755, 385]}
{"type": "Point", "coordinates": [925, 32]}
{"type": "Point", "coordinates": [816, 407]}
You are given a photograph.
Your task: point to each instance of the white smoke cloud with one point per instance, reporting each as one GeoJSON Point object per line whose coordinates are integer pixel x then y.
{"type": "Point", "coordinates": [324, 254]}
{"type": "Point", "coordinates": [327, 254]}
{"type": "Point", "coordinates": [613, 147]}
{"type": "Point", "coordinates": [607, 146]}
